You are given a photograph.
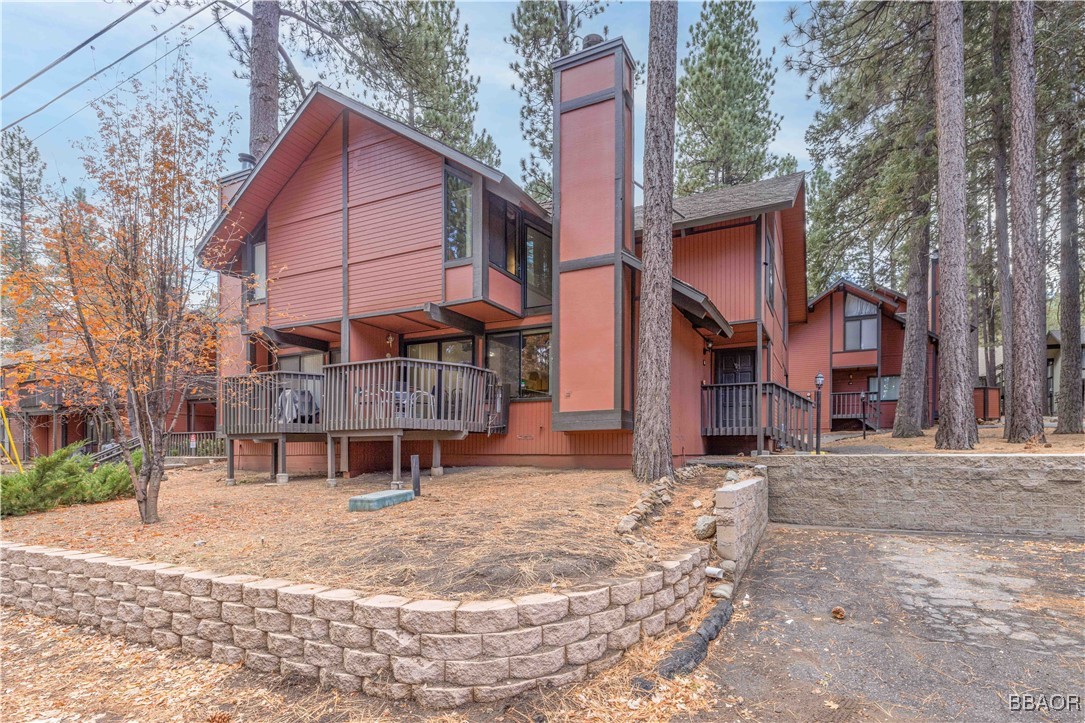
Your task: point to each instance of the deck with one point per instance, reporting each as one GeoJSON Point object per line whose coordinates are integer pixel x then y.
{"type": "Point", "coordinates": [734, 410]}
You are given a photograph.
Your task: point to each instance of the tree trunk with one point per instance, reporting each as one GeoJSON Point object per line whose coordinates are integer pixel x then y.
{"type": "Point", "coordinates": [956, 416]}
{"type": "Point", "coordinates": [1029, 319]}
{"type": "Point", "coordinates": [910, 417]}
{"type": "Point", "coordinates": [264, 77]}
{"type": "Point", "coordinates": [652, 429]}
{"type": "Point", "coordinates": [1070, 403]}
{"type": "Point", "coordinates": [1002, 224]}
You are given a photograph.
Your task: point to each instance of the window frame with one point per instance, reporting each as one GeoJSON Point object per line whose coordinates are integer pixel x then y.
{"type": "Point", "coordinates": [859, 319]}
{"type": "Point", "coordinates": [525, 223]}
{"type": "Point", "coordinates": [257, 284]}
{"type": "Point", "coordinates": [470, 245]}
{"type": "Point", "coordinates": [518, 233]}
{"type": "Point", "coordinates": [299, 355]}
{"type": "Point", "coordinates": [439, 341]}
{"type": "Point", "coordinates": [877, 394]}
{"type": "Point", "coordinates": [770, 275]}
{"type": "Point", "coordinates": [514, 393]}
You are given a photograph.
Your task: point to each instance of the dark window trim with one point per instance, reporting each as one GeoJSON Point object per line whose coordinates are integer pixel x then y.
{"type": "Point", "coordinates": [404, 343]}
{"type": "Point", "coordinates": [248, 261]}
{"type": "Point", "coordinates": [860, 318]}
{"type": "Point", "coordinates": [471, 241]}
{"type": "Point", "coordinates": [540, 227]}
{"type": "Point", "coordinates": [770, 276]}
{"type": "Point", "coordinates": [514, 396]}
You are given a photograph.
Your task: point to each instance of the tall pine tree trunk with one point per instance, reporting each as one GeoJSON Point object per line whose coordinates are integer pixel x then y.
{"type": "Point", "coordinates": [956, 417]}
{"type": "Point", "coordinates": [909, 418]}
{"type": "Point", "coordinates": [1027, 394]}
{"type": "Point", "coordinates": [1070, 403]}
{"type": "Point", "coordinates": [1002, 224]}
{"type": "Point", "coordinates": [264, 77]}
{"type": "Point", "coordinates": [652, 429]}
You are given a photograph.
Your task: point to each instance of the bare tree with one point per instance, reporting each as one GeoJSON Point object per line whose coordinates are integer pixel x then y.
{"type": "Point", "coordinates": [957, 421]}
{"type": "Point", "coordinates": [652, 430]}
{"type": "Point", "coordinates": [1026, 397]}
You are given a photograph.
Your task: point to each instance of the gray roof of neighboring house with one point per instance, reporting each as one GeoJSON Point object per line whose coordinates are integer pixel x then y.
{"type": "Point", "coordinates": [1054, 336]}
{"type": "Point", "coordinates": [772, 194]}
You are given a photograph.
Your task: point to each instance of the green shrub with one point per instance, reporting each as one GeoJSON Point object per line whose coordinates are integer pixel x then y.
{"type": "Point", "coordinates": [64, 478]}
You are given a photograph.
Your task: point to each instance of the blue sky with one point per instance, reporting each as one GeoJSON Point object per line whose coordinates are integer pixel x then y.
{"type": "Point", "coordinates": [35, 33]}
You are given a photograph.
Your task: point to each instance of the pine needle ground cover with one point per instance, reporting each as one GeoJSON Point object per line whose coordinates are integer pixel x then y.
{"type": "Point", "coordinates": [475, 533]}
{"type": "Point", "coordinates": [991, 441]}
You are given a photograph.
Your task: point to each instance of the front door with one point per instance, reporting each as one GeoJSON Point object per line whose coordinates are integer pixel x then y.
{"type": "Point", "coordinates": [734, 366]}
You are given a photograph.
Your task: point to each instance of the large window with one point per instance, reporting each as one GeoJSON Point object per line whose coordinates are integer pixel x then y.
{"type": "Point", "coordinates": [770, 271]}
{"type": "Point", "coordinates": [521, 360]}
{"type": "Point", "coordinates": [501, 229]}
{"type": "Point", "coordinates": [538, 267]}
{"type": "Point", "coordinates": [457, 217]}
{"type": "Point", "coordinates": [255, 265]}
{"type": "Point", "coordinates": [860, 324]}
{"type": "Point", "coordinates": [309, 362]}
{"type": "Point", "coordinates": [890, 389]}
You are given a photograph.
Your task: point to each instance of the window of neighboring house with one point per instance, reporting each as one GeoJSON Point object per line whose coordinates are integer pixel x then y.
{"type": "Point", "coordinates": [521, 360]}
{"type": "Point", "coordinates": [308, 362]}
{"type": "Point", "coordinates": [860, 324]}
{"type": "Point", "coordinates": [502, 225]}
{"type": "Point", "coordinates": [538, 267]}
{"type": "Point", "coordinates": [890, 389]}
{"type": "Point", "coordinates": [770, 275]}
{"type": "Point", "coordinates": [457, 216]}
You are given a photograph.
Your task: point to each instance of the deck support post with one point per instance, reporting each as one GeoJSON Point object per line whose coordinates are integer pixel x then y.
{"type": "Point", "coordinates": [436, 470]}
{"type": "Point", "coordinates": [281, 476]}
{"type": "Point", "coordinates": [331, 481]}
{"type": "Point", "coordinates": [344, 456]}
{"type": "Point", "coordinates": [230, 481]}
{"type": "Point", "coordinates": [397, 459]}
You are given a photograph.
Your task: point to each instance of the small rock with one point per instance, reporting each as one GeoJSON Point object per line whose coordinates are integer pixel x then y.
{"type": "Point", "coordinates": [723, 590]}
{"type": "Point", "coordinates": [656, 518]}
{"type": "Point", "coordinates": [727, 565]}
{"type": "Point", "coordinates": [838, 613]}
{"type": "Point", "coordinates": [696, 504]}
{"type": "Point", "coordinates": [626, 524]}
{"type": "Point", "coordinates": [200, 543]}
{"type": "Point", "coordinates": [731, 476]}
{"type": "Point", "coordinates": [704, 527]}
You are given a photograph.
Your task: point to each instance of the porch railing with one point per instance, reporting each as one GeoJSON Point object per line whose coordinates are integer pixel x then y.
{"type": "Point", "coordinates": [728, 410]}
{"type": "Point", "coordinates": [272, 403]}
{"type": "Point", "coordinates": [731, 410]}
{"type": "Point", "coordinates": [207, 444]}
{"type": "Point", "coordinates": [401, 393]}
{"type": "Point", "coordinates": [847, 405]}
{"type": "Point", "coordinates": [41, 399]}
{"type": "Point", "coordinates": [789, 417]}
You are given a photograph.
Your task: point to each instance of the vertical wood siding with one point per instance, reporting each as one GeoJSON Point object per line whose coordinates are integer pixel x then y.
{"type": "Point", "coordinates": [721, 264]}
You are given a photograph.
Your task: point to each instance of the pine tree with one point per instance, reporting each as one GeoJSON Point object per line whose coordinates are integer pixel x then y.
{"type": "Point", "coordinates": [21, 185]}
{"type": "Point", "coordinates": [956, 420]}
{"type": "Point", "coordinates": [725, 124]}
{"type": "Point", "coordinates": [439, 95]}
{"type": "Point", "coordinates": [652, 427]}
{"type": "Point", "coordinates": [542, 32]}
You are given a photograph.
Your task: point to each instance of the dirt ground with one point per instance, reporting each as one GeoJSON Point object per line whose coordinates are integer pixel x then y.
{"type": "Point", "coordinates": [936, 627]}
{"type": "Point", "coordinates": [991, 442]}
{"type": "Point", "coordinates": [476, 532]}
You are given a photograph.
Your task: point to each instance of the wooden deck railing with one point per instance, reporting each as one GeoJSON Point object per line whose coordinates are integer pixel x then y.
{"type": "Point", "coordinates": [208, 444]}
{"type": "Point", "coordinates": [41, 398]}
{"type": "Point", "coordinates": [272, 403]}
{"type": "Point", "coordinates": [731, 410]}
{"type": "Point", "coordinates": [401, 393]}
{"type": "Point", "coordinates": [847, 405]}
{"type": "Point", "coordinates": [727, 410]}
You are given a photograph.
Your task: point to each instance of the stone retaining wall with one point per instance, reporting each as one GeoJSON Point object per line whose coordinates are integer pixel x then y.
{"type": "Point", "coordinates": [742, 514]}
{"type": "Point", "coordinates": [441, 653]}
{"type": "Point", "coordinates": [1007, 494]}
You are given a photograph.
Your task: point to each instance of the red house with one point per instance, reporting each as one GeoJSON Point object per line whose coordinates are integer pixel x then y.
{"type": "Point", "coordinates": [401, 297]}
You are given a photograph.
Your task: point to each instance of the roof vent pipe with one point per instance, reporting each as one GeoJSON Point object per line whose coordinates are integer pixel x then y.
{"type": "Point", "coordinates": [247, 160]}
{"type": "Point", "coordinates": [592, 40]}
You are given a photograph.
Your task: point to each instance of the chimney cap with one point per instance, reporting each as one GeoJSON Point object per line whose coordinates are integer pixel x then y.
{"type": "Point", "coordinates": [247, 160]}
{"type": "Point", "coordinates": [592, 40]}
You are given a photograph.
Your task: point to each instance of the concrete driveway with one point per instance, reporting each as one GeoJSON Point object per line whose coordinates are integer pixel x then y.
{"type": "Point", "coordinates": [936, 627]}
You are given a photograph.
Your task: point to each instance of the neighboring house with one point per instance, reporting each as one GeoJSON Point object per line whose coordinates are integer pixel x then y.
{"type": "Point", "coordinates": [854, 336]}
{"type": "Point", "coordinates": [397, 291]}
{"type": "Point", "coordinates": [45, 416]}
{"type": "Point", "coordinates": [1052, 372]}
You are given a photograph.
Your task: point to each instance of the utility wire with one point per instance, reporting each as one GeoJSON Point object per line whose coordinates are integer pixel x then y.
{"type": "Point", "coordinates": [172, 50]}
{"type": "Point", "coordinates": [79, 47]}
{"type": "Point", "coordinates": [115, 62]}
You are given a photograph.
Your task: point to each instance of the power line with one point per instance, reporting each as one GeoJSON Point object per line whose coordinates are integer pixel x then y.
{"type": "Point", "coordinates": [115, 62]}
{"type": "Point", "coordinates": [145, 67]}
{"type": "Point", "coordinates": [79, 47]}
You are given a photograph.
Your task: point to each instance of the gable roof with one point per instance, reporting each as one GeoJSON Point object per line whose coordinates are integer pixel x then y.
{"type": "Point", "coordinates": [301, 134]}
{"type": "Point", "coordinates": [889, 304]}
{"type": "Point", "coordinates": [749, 199]}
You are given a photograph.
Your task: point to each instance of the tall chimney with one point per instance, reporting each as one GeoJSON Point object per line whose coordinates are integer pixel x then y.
{"type": "Point", "coordinates": [593, 232]}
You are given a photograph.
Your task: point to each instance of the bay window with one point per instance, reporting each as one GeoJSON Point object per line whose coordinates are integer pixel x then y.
{"type": "Point", "coordinates": [457, 216]}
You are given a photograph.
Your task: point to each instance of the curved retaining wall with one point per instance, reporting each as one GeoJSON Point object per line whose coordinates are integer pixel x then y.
{"type": "Point", "coordinates": [441, 653]}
